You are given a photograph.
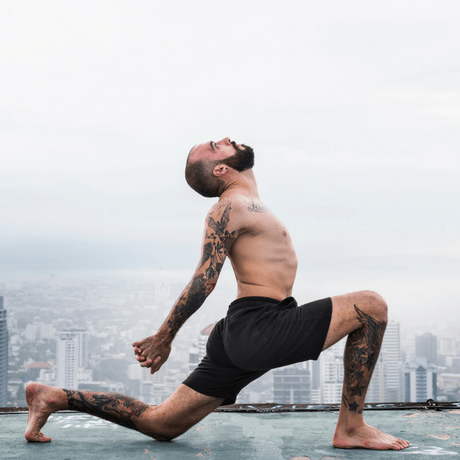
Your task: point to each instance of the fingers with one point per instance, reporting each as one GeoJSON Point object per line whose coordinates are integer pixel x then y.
{"type": "Point", "coordinates": [146, 363]}
{"type": "Point", "coordinates": [157, 365]}
{"type": "Point", "coordinates": [153, 364]}
{"type": "Point", "coordinates": [137, 351]}
{"type": "Point", "coordinates": [154, 369]}
{"type": "Point", "coordinates": [138, 354]}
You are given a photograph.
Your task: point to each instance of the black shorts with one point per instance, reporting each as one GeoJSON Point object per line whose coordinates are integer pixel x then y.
{"type": "Point", "coordinates": [259, 334]}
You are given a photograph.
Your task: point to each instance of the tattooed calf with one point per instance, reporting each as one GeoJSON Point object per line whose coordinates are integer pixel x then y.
{"type": "Point", "coordinates": [114, 407]}
{"type": "Point", "coordinates": [361, 353]}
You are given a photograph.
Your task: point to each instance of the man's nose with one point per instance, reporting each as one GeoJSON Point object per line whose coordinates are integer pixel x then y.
{"type": "Point", "coordinates": [226, 140]}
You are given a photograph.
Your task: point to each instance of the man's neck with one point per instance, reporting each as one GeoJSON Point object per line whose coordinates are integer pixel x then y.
{"type": "Point", "coordinates": [241, 182]}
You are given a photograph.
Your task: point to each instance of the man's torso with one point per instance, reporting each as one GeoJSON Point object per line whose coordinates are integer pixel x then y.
{"type": "Point", "coordinates": [262, 256]}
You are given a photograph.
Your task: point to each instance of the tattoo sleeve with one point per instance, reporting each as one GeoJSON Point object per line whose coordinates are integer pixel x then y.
{"type": "Point", "coordinates": [217, 243]}
{"type": "Point", "coordinates": [114, 407]}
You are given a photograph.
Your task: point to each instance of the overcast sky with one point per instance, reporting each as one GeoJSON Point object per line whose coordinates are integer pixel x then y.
{"type": "Point", "coordinates": [352, 108]}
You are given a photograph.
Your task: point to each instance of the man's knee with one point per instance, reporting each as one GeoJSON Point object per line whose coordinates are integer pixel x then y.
{"type": "Point", "coordinates": [165, 433]}
{"type": "Point", "coordinates": [377, 306]}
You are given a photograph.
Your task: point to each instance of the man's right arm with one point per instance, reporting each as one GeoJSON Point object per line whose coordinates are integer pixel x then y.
{"type": "Point", "coordinates": [219, 235]}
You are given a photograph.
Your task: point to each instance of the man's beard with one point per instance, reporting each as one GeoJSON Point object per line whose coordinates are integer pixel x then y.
{"type": "Point", "coordinates": [242, 159]}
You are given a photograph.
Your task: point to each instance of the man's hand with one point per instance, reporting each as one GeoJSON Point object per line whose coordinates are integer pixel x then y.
{"type": "Point", "coordinates": [152, 352]}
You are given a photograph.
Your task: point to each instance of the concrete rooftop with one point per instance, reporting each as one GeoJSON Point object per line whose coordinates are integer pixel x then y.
{"type": "Point", "coordinates": [233, 435]}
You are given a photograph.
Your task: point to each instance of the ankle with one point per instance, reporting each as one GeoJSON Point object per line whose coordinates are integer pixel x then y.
{"type": "Point", "coordinates": [350, 422]}
{"type": "Point", "coordinates": [55, 399]}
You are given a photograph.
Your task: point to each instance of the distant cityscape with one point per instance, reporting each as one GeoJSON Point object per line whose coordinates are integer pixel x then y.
{"type": "Point", "coordinates": [77, 333]}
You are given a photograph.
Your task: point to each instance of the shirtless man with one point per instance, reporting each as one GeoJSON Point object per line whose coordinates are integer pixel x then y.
{"type": "Point", "coordinates": [263, 329]}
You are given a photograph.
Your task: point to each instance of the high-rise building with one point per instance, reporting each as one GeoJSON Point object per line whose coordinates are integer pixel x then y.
{"type": "Point", "coordinates": [67, 354]}
{"type": "Point", "coordinates": [203, 340]}
{"type": "Point", "coordinates": [426, 346]}
{"type": "Point", "coordinates": [291, 385]}
{"type": "Point", "coordinates": [419, 380]}
{"type": "Point", "coordinates": [193, 358]}
{"type": "Point", "coordinates": [447, 346]}
{"type": "Point", "coordinates": [331, 374]}
{"type": "Point", "coordinates": [376, 390]}
{"type": "Point", "coordinates": [315, 379]}
{"type": "Point", "coordinates": [197, 353]}
{"type": "Point", "coordinates": [3, 356]}
{"type": "Point", "coordinates": [83, 345]}
{"type": "Point", "coordinates": [385, 382]}
{"type": "Point", "coordinates": [391, 358]}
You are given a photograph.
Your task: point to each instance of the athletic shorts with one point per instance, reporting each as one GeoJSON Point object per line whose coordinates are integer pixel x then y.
{"type": "Point", "coordinates": [259, 334]}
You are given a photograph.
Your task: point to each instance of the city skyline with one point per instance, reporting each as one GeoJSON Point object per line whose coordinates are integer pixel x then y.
{"type": "Point", "coordinates": [100, 320]}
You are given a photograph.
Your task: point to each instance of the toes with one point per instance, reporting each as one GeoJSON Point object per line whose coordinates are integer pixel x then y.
{"type": "Point", "coordinates": [43, 438]}
{"type": "Point", "coordinates": [37, 437]}
{"type": "Point", "coordinates": [400, 444]}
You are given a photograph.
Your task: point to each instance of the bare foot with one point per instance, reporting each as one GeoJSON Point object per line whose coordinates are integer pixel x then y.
{"type": "Point", "coordinates": [42, 401]}
{"type": "Point", "coordinates": [366, 437]}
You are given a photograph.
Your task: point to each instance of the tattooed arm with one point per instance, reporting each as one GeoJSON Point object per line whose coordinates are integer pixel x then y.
{"type": "Point", "coordinates": [219, 236]}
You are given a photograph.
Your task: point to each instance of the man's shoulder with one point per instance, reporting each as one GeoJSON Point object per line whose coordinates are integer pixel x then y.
{"type": "Point", "coordinates": [229, 212]}
{"type": "Point", "coordinates": [233, 204]}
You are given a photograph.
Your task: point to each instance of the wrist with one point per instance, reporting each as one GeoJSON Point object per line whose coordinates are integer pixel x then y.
{"type": "Point", "coordinates": [165, 334]}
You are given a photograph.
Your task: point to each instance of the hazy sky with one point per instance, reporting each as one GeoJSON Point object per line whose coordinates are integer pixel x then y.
{"type": "Point", "coordinates": [352, 108]}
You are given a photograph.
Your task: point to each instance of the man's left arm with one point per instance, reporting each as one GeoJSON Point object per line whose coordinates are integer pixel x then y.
{"type": "Point", "coordinates": [219, 236]}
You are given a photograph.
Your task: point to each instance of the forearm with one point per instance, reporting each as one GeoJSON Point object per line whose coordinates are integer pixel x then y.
{"type": "Point", "coordinates": [191, 299]}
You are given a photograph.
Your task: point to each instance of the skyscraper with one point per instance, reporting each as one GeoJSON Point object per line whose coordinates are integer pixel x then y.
{"type": "Point", "coordinates": [391, 355]}
{"type": "Point", "coordinates": [376, 390]}
{"type": "Point", "coordinates": [291, 385]}
{"type": "Point", "coordinates": [419, 380]}
{"type": "Point", "coordinates": [331, 374]}
{"type": "Point", "coordinates": [203, 340]}
{"type": "Point", "coordinates": [315, 373]}
{"type": "Point", "coordinates": [83, 345]}
{"type": "Point", "coordinates": [385, 382]}
{"type": "Point", "coordinates": [67, 354]}
{"type": "Point", "coordinates": [3, 356]}
{"type": "Point", "coordinates": [426, 346]}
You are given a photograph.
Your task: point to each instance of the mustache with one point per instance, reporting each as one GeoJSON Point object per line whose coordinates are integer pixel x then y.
{"type": "Point", "coordinates": [238, 149]}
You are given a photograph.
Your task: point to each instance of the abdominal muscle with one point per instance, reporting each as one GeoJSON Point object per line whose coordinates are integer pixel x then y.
{"type": "Point", "coordinates": [265, 278]}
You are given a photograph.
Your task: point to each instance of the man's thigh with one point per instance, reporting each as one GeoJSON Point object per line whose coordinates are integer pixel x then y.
{"type": "Point", "coordinates": [346, 318]}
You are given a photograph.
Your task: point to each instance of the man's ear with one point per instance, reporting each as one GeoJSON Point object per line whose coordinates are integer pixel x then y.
{"type": "Point", "coordinates": [220, 170]}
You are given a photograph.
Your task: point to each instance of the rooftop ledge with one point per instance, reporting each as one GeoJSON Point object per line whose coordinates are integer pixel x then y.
{"type": "Point", "coordinates": [242, 431]}
{"type": "Point", "coordinates": [275, 407]}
